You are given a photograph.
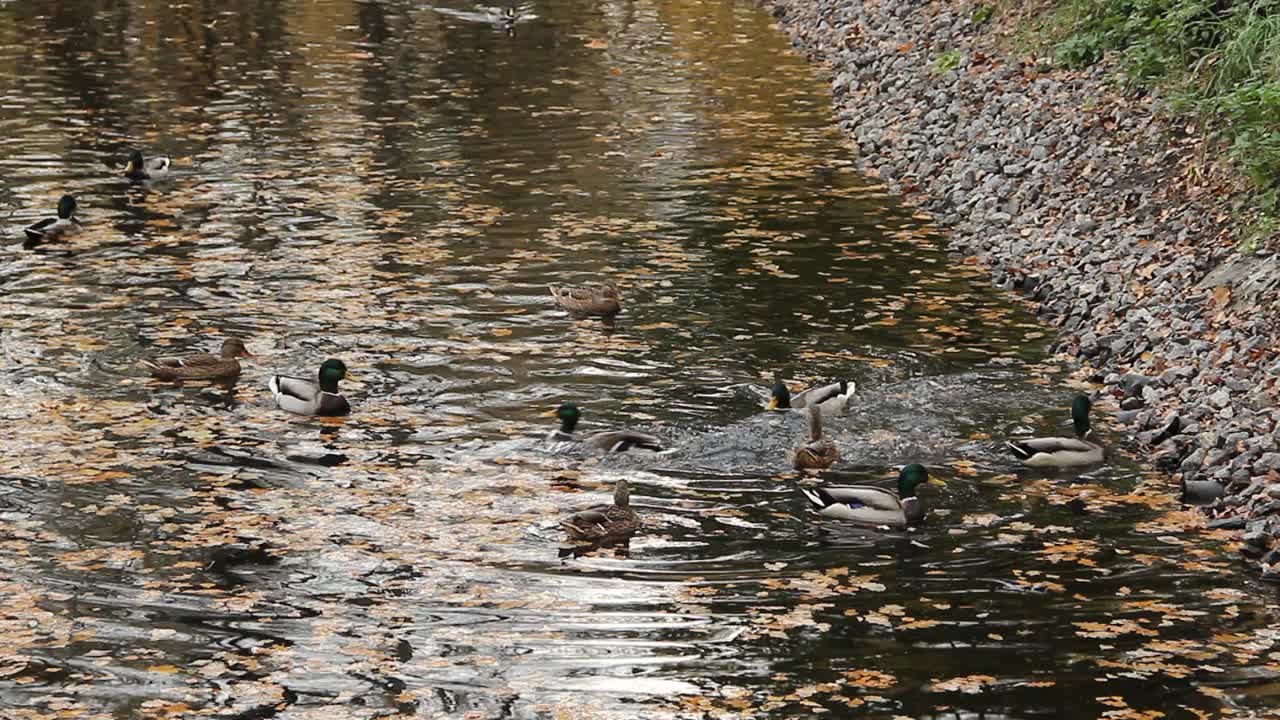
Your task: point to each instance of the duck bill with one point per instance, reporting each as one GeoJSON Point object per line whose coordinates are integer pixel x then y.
{"type": "Point", "coordinates": [549, 413]}
{"type": "Point", "coordinates": [773, 404]}
{"type": "Point", "coordinates": [936, 481]}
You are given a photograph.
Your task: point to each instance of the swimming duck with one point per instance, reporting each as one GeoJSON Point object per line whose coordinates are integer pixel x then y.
{"type": "Point", "coordinates": [605, 522]}
{"type": "Point", "coordinates": [820, 452]}
{"type": "Point", "coordinates": [64, 225]}
{"type": "Point", "coordinates": [832, 399]}
{"type": "Point", "coordinates": [872, 505]}
{"type": "Point", "coordinates": [156, 168]}
{"type": "Point", "coordinates": [607, 441]}
{"type": "Point", "coordinates": [304, 397]}
{"type": "Point", "coordinates": [603, 300]}
{"type": "Point", "coordinates": [200, 366]}
{"type": "Point", "coordinates": [1062, 452]}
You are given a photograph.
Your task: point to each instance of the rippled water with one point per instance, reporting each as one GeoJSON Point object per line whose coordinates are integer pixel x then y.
{"type": "Point", "coordinates": [395, 184]}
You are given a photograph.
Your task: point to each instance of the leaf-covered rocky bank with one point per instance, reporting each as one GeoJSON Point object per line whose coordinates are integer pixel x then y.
{"type": "Point", "coordinates": [1096, 202]}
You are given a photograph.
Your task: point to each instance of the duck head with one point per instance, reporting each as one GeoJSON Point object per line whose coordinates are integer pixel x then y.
{"type": "Point", "coordinates": [913, 476]}
{"type": "Point", "coordinates": [331, 371]}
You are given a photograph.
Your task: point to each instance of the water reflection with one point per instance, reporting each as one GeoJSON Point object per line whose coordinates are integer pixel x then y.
{"type": "Point", "coordinates": [396, 184]}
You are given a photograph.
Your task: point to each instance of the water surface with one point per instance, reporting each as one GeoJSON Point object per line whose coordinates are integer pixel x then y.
{"type": "Point", "coordinates": [395, 184]}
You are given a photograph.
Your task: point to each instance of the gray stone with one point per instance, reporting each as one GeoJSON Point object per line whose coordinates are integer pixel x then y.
{"type": "Point", "coordinates": [1268, 462]}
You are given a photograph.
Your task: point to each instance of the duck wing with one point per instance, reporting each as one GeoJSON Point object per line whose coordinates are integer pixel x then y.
{"type": "Point", "coordinates": [587, 301]}
{"type": "Point", "coordinates": [197, 366]}
{"type": "Point", "coordinates": [861, 496]}
{"type": "Point", "coordinates": [1049, 445]}
{"type": "Point", "coordinates": [830, 399]}
{"type": "Point", "coordinates": [622, 440]}
{"type": "Point", "coordinates": [295, 395]}
{"type": "Point", "coordinates": [866, 505]}
{"type": "Point", "coordinates": [38, 230]}
{"type": "Point", "coordinates": [588, 523]}
{"type": "Point", "coordinates": [293, 387]}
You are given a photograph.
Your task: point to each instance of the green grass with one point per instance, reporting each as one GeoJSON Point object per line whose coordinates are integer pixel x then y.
{"type": "Point", "coordinates": [1217, 58]}
{"type": "Point", "coordinates": [947, 61]}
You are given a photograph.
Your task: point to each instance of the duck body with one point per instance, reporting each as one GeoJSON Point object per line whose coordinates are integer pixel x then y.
{"type": "Point", "coordinates": [871, 505]}
{"type": "Point", "coordinates": [831, 399]}
{"type": "Point", "coordinates": [140, 169]}
{"type": "Point", "coordinates": [605, 522]}
{"type": "Point", "coordinates": [1056, 452]}
{"type": "Point", "coordinates": [308, 397]}
{"type": "Point", "coordinates": [200, 366]}
{"type": "Point", "coordinates": [606, 441]}
{"type": "Point", "coordinates": [603, 300]}
{"type": "Point", "coordinates": [820, 451]}
{"type": "Point", "coordinates": [1062, 451]}
{"type": "Point", "coordinates": [61, 226]}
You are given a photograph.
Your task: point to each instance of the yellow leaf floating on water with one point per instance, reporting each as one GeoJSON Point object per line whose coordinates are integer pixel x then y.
{"type": "Point", "coordinates": [870, 679]}
{"type": "Point", "coordinates": [968, 684]}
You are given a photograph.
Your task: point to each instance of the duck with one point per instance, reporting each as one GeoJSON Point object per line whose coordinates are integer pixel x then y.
{"type": "Point", "coordinates": [606, 441]}
{"type": "Point", "coordinates": [832, 399]}
{"type": "Point", "coordinates": [819, 452]}
{"type": "Point", "coordinates": [603, 300]}
{"type": "Point", "coordinates": [1200, 492]}
{"type": "Point", "coordinates": [305, 397]}
{"type": "Point", "coordinates": [605, 522]}
{"type": "Point", "coordinates": [64, 225]}
{"type": "Point", "coordinates": [156, 168]}
{"type": "Point", "coordinates": [200, 366]}
{"type": "Point", "coordinates": [1062, 452]}
{"type": "Point", "coordinates": [871, 505]}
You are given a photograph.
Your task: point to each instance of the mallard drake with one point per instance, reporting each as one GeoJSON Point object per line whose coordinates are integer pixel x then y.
{"type": "Point", "coordinates": [831, 399]}
{"type": "Point", "coordinates": [64, 225]}
{"type": "Point", "coordinates": [607, 441]}
{"type": "Point", "coordinates": [304, 397]}
{"type": "Point", "coordinates": [603, 300]}
{"type": "Point", "coordinates": [200, 366]}
{"type": "Point", "coordinates": [605, 522]}
{"type": "Point", "coordinates": [871, 505]}
{"type": "Point", "coordinates": [819, 452]}
{"type": "Point", "coordinates": [1062, 452]}
{"type": "Point", "coordinates": [156, 168]}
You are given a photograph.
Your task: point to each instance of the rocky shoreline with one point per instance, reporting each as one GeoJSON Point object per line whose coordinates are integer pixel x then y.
{"type": "Point", "coordinates": [1109, 217]}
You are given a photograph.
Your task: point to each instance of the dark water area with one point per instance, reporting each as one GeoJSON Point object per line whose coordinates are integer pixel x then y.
{"type": "Point", "coordinates": [395, 184]}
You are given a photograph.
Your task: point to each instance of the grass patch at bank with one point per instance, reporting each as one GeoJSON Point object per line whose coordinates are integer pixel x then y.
{"type": "Point", "coordinates": [1217, 58]}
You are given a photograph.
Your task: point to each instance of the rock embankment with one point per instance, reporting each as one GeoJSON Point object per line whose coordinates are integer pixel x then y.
{"type": "Point", "coordinates": [1113, 221]}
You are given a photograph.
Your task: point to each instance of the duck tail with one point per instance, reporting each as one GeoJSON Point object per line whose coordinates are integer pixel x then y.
{"type": "Point", "coordinates": [1019, 450]}
{"type": "Point", "coordinates": [818, 496]}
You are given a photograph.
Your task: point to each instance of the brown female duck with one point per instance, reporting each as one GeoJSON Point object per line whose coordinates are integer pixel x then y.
{"type": "Point", "coordinates": [200, 366]}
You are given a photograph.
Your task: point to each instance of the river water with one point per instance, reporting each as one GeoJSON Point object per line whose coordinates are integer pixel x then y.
{"type": "Point", "coordinates": [395, 184]}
